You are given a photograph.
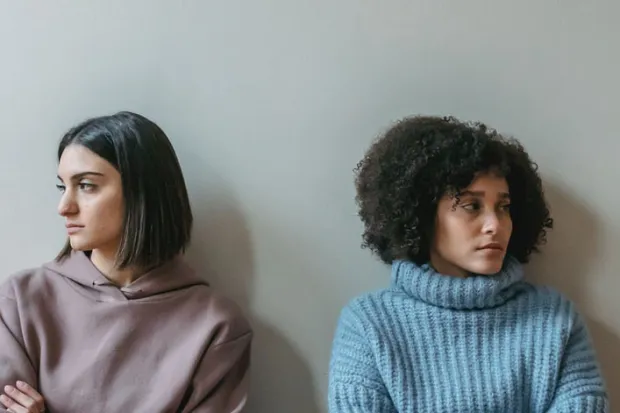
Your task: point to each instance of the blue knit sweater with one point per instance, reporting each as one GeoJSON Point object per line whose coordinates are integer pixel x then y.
{"type": "Point", "coordinates": [436, 344]}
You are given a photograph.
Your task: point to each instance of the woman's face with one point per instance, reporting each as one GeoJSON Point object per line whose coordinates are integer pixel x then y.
{"type": "Point", "coordinates": [472, 235]}
{"type": "Point", "coordinates": [92, 200]}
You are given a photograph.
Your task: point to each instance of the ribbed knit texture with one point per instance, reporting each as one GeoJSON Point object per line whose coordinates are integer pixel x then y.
{"type": "Point", "coordinates": [438, 344]}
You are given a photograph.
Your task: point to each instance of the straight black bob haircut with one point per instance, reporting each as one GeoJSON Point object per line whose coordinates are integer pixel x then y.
{"type": "Point", "coordinates": [158, 217]}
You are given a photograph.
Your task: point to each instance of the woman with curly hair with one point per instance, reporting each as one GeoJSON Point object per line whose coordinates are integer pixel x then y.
{"type": "Point", "coordinates": [456, 209]}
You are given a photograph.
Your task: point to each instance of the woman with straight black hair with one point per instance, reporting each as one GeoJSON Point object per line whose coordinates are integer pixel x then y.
{"type": "Point", "coordinates": [119, 322]}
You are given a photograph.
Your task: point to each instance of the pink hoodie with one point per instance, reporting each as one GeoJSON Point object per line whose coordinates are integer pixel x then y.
{"type": "Point", "coordinates": [165, 343]}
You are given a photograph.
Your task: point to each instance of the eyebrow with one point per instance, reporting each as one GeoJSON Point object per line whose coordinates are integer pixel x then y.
{"type": "Point", "coordinates": [81, 175]}
{"type": "Point", "coordinates": [482, 193]}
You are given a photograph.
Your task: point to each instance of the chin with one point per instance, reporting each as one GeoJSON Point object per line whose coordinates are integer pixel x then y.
{"type": "Point", "coordinates": [79, 245]}
{"type": "Point", "coordinates": [488, 267]}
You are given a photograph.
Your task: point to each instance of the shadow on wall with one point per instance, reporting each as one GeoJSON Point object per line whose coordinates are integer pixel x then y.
{"type": "Point", "coordinates": [222, 250]}
{"type": "Point", "coordinates": [570, 255]}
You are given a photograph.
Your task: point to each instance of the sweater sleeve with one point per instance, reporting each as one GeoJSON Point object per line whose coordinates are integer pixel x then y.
{"type": "Point", "coordinates": [355, 385]}
{"type": "Point", "coordinates": [15, 363]}
{"type": "Point", "coordinates": [580, 387]}
{"type": "Point", "coordinates": [220, 384]}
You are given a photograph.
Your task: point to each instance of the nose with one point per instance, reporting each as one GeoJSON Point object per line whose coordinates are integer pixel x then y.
{"type": "Point", "coordinates": [67, 205]}
{"type": "Point", "coordinates": [490, 224]}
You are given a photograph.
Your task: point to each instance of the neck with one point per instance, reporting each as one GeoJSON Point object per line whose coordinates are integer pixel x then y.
{"type": "Point", "coordinates": [425, 283]}
{"type": "Point", "coordinates": [444, 267]}
{"type": "Point", "coordinates": [106, 264]}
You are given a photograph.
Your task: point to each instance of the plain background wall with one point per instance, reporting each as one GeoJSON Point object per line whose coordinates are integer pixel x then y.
{"type": "Point", "coordinates": [270, 104]}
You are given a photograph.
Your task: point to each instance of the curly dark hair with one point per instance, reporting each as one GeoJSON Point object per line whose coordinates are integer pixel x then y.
{"type": "Point", "coordinates": [420, 159]}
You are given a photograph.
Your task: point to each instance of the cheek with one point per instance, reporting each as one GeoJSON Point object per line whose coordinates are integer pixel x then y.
{"type": "Point", "coordinates": [508, 227]}
{"type": "Point", "coordinates": [116, 213]}
{"type": "Point", "coordinates": [452, 232]}
{"type": "Point", "coordinates": [458, 229]}
{"type": "Point", "coordinates": [107, 213]}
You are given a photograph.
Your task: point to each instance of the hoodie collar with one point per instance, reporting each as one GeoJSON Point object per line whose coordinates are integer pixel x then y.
{"type": "Point", "coordinates": [174, 275]}
{"type": "Point", "coordinates": [475, 292]}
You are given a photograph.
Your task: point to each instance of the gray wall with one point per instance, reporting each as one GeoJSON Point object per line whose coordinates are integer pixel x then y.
{"type": "Point", "coordinates": [271, 103]}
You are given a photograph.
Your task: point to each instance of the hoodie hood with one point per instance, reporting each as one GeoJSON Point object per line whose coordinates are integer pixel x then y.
{"type": "Point", "coordinates": [174, 275]}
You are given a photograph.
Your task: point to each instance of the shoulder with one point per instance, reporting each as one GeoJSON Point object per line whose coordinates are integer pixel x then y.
{"type": "Point", "coordinates": [549, 301]}
{"type": "Point", "coordinates": [354, 326]}
{"type": "Point", "coordinates": [23, 281]}
{"type": "Point", "coordinates": [371, 308]}
{"type": "Point", "coordinates": [210, 310]}
{"type": "Point", "coordinates": [223, 316]}
{"type": "Point", "coordinates": [546, 295]}
{"type": "Point", "coordinates": [364, 303]}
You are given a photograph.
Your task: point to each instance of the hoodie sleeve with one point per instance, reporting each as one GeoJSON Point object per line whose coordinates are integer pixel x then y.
{"type": "Point", "coordinates": [14, 361]}
{"type": "Point", "coordinates": [220, 384]}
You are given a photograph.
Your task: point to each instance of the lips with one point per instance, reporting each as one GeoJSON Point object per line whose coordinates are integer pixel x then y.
{"type": "Point", "coordinates": [492, 246]}
{"type": "Point", "coordinates": [73, 228]}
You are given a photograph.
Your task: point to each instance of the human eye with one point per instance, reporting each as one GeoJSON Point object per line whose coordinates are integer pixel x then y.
{"type": "Point", "coordinates": [505, 207]}
{"type": "Point", "coordinates": [471, 206]}
{"type": "Point", "coordinates": [60, 188]}
{"type": "Point", "coordinates": [87, 186]}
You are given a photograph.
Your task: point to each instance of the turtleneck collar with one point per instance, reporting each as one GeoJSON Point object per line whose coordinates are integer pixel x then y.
{"type": "Point", "coordinates": [475, 292]}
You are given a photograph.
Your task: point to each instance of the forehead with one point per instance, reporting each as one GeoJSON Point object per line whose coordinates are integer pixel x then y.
{"type": "Point", "coordinates": [489, 183]}
{"type": "Point", "coordinates": [77, 159]}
